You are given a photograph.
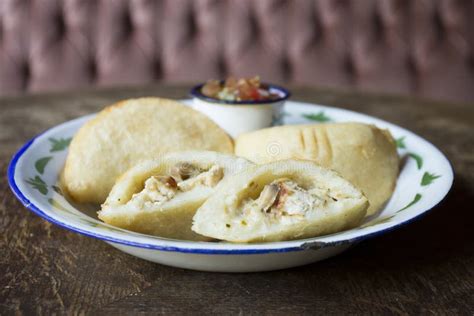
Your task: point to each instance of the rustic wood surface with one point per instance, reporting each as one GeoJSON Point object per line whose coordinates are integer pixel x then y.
{"type": "Point", "coordinates": [426, 267]}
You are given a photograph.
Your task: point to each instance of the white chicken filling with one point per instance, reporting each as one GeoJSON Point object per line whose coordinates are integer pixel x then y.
{"type": "Point", "coordinates": [284, 197]}
{"type": "Point", "coordinates": [183, 178]}
{"type": "Point", "coordinates": [208, 178]}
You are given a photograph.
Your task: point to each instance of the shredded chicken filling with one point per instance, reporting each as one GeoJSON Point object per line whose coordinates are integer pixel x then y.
{"type": "Point", "coordinates": [284, 197]}
{"type": "Point", "coordinates": [183, 177]}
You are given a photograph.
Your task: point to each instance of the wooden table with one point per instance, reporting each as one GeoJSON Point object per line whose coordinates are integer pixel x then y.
{"type": "Point", "coordinates": [426, 267]}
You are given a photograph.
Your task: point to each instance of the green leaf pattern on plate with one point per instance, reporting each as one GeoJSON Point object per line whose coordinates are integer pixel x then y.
{"type": "Point", "coordinates": [62, 143]}
{"type": "Point", "coordinates": [400, 142]}
{"type": "Point", "coordinates": [41, 163]}
{"type": "Point", "coordinates": [318, 117]}
{"type": "Point", "coordinates": [387, 219]}
{"type": "Point", "coordinates": [418, 159]}
{"type": "Point", "coordinates": [38, 184]}
{"type": "Point", "coordinates": [59, 144]}
{"type": "Point", "coordinates": [428, 178]}
{"type": "Point", "coordinates": [415, 200]}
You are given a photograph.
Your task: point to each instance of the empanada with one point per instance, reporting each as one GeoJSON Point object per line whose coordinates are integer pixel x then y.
{"type": "Point", "coordinates": [363, 154]}
{"type": "Point", "coordinates": [280, 201]}
{"type": "Point", "coordinates": [131, 131]}
{"type": "Point", "coordinates": [159, 197]}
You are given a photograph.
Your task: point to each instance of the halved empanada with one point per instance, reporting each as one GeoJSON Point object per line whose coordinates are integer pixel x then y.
{"type": "Point", "coordinates": [128, 132]}
{"type": "Point", "coordinates": [159, 197]}
{"type": "Point", "coordinates": [362, 153]}
{"type": "Point", "coordinates": [281, 201]}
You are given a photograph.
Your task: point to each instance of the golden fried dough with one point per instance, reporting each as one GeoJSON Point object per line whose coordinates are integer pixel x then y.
{"type": "Point", "coordinates": [159, 197]}
{"type": "Point", "coordinates": [131, 131]}
{"type": "Point", "coordinates": [363, 154]}
{"type": "Point", "coordinates": [283, 200]}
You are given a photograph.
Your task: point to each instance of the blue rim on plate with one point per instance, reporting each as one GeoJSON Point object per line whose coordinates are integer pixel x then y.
{"type": "Point", "coordinates": [29, 205]}
{"type": "Point", "coordinates": [284, 94]}
{"type": "Point", "coordinates": [305, 244]}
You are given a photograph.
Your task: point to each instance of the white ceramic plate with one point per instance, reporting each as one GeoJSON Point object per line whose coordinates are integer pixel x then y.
{"type": "Point", "coordinates": [425, 178]}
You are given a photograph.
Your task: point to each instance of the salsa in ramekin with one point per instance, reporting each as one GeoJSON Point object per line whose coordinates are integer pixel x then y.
{"type": "Point", "coordinates": [240, 105]}
{"type": "Point", "coordinates": [244, 89]}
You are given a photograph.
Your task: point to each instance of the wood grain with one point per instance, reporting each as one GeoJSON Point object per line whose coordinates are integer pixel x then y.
{"type": "Point", "coordinates": [426, 267]}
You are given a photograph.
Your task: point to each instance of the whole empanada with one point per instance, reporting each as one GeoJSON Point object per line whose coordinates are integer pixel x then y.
{"type": "Point", "coordinates": [278, 201]}
{"type": "Point", "coordinates": [363, 154]}
{"type": "Point", "coordinates": [131, 131]}
{"type": "Point", "coordinates": [159, 197]}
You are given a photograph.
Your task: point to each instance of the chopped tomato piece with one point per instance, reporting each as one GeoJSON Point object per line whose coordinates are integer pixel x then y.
{"type": "Point", "coordinates": [243, 89]}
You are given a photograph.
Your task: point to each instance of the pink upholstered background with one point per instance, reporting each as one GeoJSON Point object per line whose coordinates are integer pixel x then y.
{"type": "Point", "coordinates": [420, 47]}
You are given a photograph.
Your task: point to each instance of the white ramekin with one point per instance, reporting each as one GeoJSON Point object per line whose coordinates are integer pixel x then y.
{"type": "Point", "coordinates": [237, 117]}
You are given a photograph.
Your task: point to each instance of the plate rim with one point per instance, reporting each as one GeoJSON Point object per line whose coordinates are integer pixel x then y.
{"type": "Point", "coordinates": [172, 245]}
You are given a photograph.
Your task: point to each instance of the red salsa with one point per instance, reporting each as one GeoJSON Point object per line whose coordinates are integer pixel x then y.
{"type": "Point", "coordinates": [243, 89]}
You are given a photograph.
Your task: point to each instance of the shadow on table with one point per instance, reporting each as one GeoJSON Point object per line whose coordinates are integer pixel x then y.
{"type": "Point", "coordinates": [441, 234]}
{"type": "Point", "coordinates": [391, 274]}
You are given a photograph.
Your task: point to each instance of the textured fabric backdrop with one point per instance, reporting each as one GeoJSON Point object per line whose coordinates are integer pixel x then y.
{"type": "Point", "coordinates": [420, 47]}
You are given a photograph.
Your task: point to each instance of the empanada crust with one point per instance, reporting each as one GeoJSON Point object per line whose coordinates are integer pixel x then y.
{"type": "Point", "coordinates": [363, 154]}
{"type": "Point", "coordinates": [128, 132]}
